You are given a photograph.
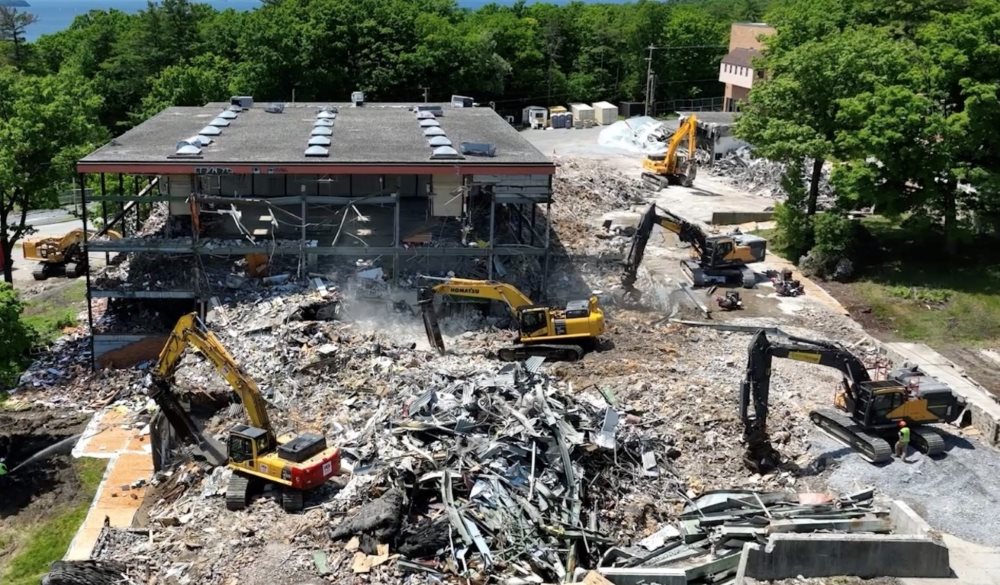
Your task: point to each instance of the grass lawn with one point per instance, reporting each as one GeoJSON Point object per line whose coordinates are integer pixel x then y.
{"type": "Point", "coordinates": [916, 293]}
{"type": "Point", "coordinates": [38, 544]}
{"type": "Point", "coordinates": [49, 312]}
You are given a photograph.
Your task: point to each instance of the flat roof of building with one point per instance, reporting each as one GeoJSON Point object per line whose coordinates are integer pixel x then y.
{"type": "Point", "coordinates": [383, 134]}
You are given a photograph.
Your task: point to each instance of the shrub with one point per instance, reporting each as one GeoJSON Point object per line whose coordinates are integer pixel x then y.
{"type": "Point", "coordinates": [17, 338]}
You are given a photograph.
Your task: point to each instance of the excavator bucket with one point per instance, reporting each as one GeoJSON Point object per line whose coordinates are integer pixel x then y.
{"type": "Point", "coordinates": [425, 299]}
{"type": "Point", "coordinates": [213, 451]}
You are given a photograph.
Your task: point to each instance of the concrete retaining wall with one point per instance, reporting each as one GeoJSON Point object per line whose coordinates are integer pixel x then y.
{"type": "Point", "coordinates": [827, 555]}
{"type": "Point", "coordinates": [740, 217]}
{"type": "Point", "coordinates": [906, 521]}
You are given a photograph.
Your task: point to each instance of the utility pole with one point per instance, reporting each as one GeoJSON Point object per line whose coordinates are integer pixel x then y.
{"type": "Point", "coordinates": [426, 93]}
{"type": "Point", "coordinates": [650, 85]}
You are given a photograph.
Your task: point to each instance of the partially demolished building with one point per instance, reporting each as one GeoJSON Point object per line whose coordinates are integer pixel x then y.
{"type": "Point", "coordinates": [251, 190]}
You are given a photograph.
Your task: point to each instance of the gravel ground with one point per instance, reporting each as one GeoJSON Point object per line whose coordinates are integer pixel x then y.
{"type": "Point", "coordinates": [955, 493]}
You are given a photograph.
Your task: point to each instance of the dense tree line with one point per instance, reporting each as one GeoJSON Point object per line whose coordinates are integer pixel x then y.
{"type": "Point", "coordinates": [903, 97]}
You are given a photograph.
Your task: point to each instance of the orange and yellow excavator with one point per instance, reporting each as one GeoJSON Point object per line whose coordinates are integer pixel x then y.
{"type": "Point", "coordinates": [61, 254]}
{"type": "Point", "coordinates": [672, 167]}
{"type": "Point", "coordinates": [255, 453]}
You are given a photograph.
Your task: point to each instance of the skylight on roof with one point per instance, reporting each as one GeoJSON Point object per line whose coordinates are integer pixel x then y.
{"type": "Point", "coordinates": [219, 122]}
{"type": "Point", "coordinates": [425, 115]}
{"type": "Point", "coordinates": [319, 141]}
{"type": "Point", "coordinates": [323, 122]}
{"type": "Point", "coordinates": [429, 123]}
{"type": "Point", "coordinates": [185, 148]}
{"type": "Point", "coordinates": [317, 151]}
{"type": "Point", "coordinates": [325, 115]}
{"type": "Point", "coordinates": [436, 141]}
{"type": "Point", "coordinates": [201, 141]}
{"type": "Point", "coordinates": [228, 115]}
{"type": "Point", "coordinates": [434, 131]}
{"type": "Point", "coordinates": [445, 152]}
{"type": "Point", "coordinates": [210, 131]}
{"type": "Point", "coordinates": [322, 131]}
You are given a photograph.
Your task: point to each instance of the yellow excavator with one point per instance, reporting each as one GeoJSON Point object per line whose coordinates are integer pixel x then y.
{"type": "Point", "coordinates": [255, 453]}
{"type": "Point", "coordinates": [721, 259]}
{"type": "Point", "coordinates": [672, 167]}
{"type": "Point", "coordinates": [867, 412]}
{"type": "Point", "coordinates": [61, 254]}
{"type": "Point", "coordinates": [561, 334]}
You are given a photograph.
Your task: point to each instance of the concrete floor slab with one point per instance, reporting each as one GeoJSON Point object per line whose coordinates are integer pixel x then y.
{"type": "Point", "coordinates": [108, 436]}
{"type": "Point", "coordinates": [972, 564]}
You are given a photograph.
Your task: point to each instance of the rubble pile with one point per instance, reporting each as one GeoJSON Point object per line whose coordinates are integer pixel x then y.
{"type": "Point", "coordinates": [707, 542]}
{"type": "Point", "coordinates": [582, 194]}
{"type": "Point", "coordinates": [761, 176]}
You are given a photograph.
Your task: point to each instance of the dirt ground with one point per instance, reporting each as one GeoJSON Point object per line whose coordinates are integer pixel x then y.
{"type": "Point", "coordinates": [31, 492]}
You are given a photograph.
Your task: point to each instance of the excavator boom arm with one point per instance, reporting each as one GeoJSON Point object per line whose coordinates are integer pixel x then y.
{"type": "Point", "coordinates": [755, 388]}
{"type": "Point", "coordinates": [686, 130]}
{"type": "Point", "coordinates": [482, 289]}
{"type": "Point", "coordinates": [686, 231]}
{"type": "Point", "coordinates": [190, 330]}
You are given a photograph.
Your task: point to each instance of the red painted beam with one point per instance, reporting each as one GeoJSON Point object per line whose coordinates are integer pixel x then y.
{"type": "Point", "coordinates": [197, 168]}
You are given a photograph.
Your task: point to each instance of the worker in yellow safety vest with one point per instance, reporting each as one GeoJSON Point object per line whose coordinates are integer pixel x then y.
{"type": "Point", "coordinates": [904, 440]}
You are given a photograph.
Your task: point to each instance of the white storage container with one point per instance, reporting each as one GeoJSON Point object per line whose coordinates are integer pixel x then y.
{"type": "Point", "coordinates": [582, 112]}
{"type": "Point", "coordinates": [605, 113]}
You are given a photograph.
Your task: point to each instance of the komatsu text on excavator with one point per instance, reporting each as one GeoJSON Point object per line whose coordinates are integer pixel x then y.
{"type": "Point", "coordinates": [672, 167]}
{"type": "Point", "coordinates": [255, 453]}
{"type": "Point", "coordinates": [555, 333]}
{"type": "Point", "coordinates": [721, 259]}
{"type": "Point", "coordinates": [873, 407]}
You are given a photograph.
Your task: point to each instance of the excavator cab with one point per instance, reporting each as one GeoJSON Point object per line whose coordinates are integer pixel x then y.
{"type": "Point", "coordinates": [534, 321]}
{"type": "Point", "coordinates": [245, 442]}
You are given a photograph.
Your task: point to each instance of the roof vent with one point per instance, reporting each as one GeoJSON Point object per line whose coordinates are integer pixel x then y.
{"type": "Point", "coordinates": [478, 149]}
{"type": "Point", "coordinates": [436, 141]}
{"type": "Point", "coordinates": [445, 152]}
{"type": "Point", "coordinates": [185, 148]}
{"type": "Point", "coordinates": [276, 108]}
{"type": "Point", "coordinates": [317, 151]}
{"type": "Point", "coordinates": [243, 101]}
{"type": "Point", "coordinates": [228, 115]}
{"type": "Point", "coordinates": [433, 131]}
{"type": "Point", "coordinates": [425, 115]}
{"type": "Point", "coordinates": [358, 98]}
{"type": "Point", "coordinates": [323, 122]}
{"type": "Point", "coordinates": [429, 123]}
{"type": "Point", "coordinates": [325, 115]}
{"type": "Point", "coordinates": [320, 141]}
{"type": "Point", "coordinates": [210, 131]}
{"type": "Point", "coordinates": [219, 122]}
{"type": "Point", "coordinates": [322, 131]}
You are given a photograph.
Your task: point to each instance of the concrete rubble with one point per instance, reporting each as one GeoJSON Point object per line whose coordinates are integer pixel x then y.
{"type": "Point", "coordinates": [761, 176]}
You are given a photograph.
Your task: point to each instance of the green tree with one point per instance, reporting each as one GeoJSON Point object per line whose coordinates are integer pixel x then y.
{"type": "Point", "coordinates": [205, 78]}
{"type": "Point", "coordinates": [16, 336]}
{"type": "Point", "coordinates": [46, 125]}
{"type": "Point", "coordinates": [13, 23]}
{"type": "Point", "coordinates": [793, 114]}
{"type": "Point", "coordinates": [921, 143]}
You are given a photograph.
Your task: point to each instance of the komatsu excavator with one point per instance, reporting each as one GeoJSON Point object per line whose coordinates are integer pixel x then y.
{"type": "Point", "coordinates": [869, 410]}
{"type": "Point", "coordinates": [672, 168]}
{"type": "Point", "coordinates": [255, 453]}
{"type": "Point", "coordinates": [561, 334]}
{"type": "Point", "coordinates": [721, 259]}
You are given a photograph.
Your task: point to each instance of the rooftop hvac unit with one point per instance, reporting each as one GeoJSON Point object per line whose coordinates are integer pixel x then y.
{"type": "Point", "coordinates": [243, 101]}
{"type": "Point", "coordinates": [461, 101]}
{"type": "Point", "coordinates": [358, 98]}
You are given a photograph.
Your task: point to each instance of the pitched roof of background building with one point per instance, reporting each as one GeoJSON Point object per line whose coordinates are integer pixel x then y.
{"type": "Point", "coordinates": [741, 57]}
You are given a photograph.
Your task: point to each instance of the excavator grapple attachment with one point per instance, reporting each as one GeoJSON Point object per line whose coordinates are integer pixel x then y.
{"type": "Point", "coordinates": [431, 326]}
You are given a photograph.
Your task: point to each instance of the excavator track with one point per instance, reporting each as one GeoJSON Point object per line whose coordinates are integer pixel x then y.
{"type": "Point", "coordinates": [237, 493]}
{"type": "Point", "coordinates": [927, 441]}
{"type": "Point", "coordinates": [871, 448]}
{"type": "Point", "coordinates": [551, 352]}
{"type": "Point", "coordinates": [654, 181]}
